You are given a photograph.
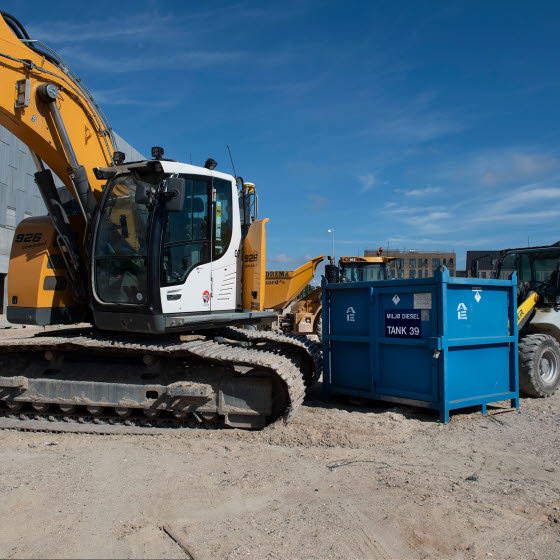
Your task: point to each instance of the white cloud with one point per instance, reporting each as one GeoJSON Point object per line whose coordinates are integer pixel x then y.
{"type": "Point", "coordinates": [281, 258]}
{"type": "Point", "coordinates": [418, 128]}
{"type": "Point", "coordinates": [490, 168]}
{"type": "Point", "coordinates": [368, 181]}
{"type": "Point", "coordinates": [419, 192]}
{"type": "Point", "coordinates": [106, 63]}
{"type": "Point", "coordinates": [532, 203]}
{"type": "Point", "coordinates": [317, 202]}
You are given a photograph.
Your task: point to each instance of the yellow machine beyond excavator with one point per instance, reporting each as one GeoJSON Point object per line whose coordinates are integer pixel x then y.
{"type": "Point", "coordinates": [165, 261]}
{"type": "Point", "coordinates": [304, 315]}
{"type": "Point", "coordinates": [538, 315]}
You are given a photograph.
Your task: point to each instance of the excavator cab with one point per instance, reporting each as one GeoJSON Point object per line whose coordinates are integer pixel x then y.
{"type": "Point", "coordinates": [167, 247]}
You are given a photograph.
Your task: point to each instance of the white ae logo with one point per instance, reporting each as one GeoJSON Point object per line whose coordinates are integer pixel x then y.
{"type": "Point", "coordinates": [461, 311]}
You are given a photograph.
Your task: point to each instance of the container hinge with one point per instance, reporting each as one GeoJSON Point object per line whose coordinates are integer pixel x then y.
{"type": "Point", "coordinates": [436, 343]}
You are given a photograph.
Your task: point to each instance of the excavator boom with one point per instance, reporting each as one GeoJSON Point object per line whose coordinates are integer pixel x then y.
{"type": "Point", "coordinates": [44, 105]}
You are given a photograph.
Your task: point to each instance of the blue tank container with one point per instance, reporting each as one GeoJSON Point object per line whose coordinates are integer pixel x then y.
{"type": "Point", "coordinates": [442, 343]}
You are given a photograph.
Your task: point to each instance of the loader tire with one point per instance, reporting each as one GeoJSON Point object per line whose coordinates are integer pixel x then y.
{"type": "Point", "coordinates": [539, 365]}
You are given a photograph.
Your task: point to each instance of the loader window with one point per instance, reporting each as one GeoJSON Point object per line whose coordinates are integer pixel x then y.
{"type": "Point", "coordinates": [121, 246]}
{"type": "Point", "coordinates": [363, 273]}
{"type": "Point", "coordinates": [507, 266]}
{"type": "Point", "coordinates": [186, 237]}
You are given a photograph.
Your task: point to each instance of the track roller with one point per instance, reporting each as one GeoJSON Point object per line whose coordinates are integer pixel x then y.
{"type": "Point", "coordinates": [95, 410]}
{"type": "Point", "coordinates": [67, 408]}
{"type": "Point", "coordinates": [122, 412]}
{"type": "Point", "coordinates": [40, 407]}
{"type": "Point", "coordinates": [14, 406]}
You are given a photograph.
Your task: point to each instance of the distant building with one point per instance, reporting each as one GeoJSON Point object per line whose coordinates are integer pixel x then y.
{"type": "Point", "coordinates": [19, 196]}
{"type": "Point", "coordinates": [411, 263]}
{"type": "Point", "coordinates": [482, 264]}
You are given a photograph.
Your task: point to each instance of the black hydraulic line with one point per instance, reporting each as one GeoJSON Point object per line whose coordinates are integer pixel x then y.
{"type": "Point", "coordinates": [80, 181]}
{"type": "Point", "coordinates": [20, 32]}
{"type": "Point", "coordinates": [66, 235]}
{"type": "Point", "coordinates": [77, 173]}
{"type": "Point", "coordinates": [15, 25]}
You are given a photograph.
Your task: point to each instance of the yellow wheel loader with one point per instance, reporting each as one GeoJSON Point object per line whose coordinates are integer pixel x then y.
{"type": "Point", "coordinates": [538, 315]}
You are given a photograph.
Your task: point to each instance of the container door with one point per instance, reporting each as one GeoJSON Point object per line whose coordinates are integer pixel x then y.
{"type": "Point", "coordinates": [406, 323]}
{"type": "Point", "coordinates": [349, 339]}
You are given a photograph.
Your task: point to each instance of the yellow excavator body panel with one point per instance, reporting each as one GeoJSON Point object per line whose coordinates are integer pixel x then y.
{"type": "Point", "coordinates": [39, 282]}
{"type": "Point", "coordinates": [254, 266]}
{"type": "Point", "coordinates": [25, 115]}
{"type": "Point", "coordinates": [283, 286]}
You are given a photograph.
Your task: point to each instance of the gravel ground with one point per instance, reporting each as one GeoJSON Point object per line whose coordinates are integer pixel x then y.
{"type": "Point", "coordinates": [340, 482]}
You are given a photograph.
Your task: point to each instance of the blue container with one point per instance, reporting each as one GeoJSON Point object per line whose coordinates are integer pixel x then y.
{"type": "Point", "coordinates": [442, 343]}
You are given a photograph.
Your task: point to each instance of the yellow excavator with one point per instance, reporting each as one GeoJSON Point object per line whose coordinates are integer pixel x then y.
{"type": "Point", "coordinates": [165, 261]}
{"type": "Point", "coordinates": [538, 315]}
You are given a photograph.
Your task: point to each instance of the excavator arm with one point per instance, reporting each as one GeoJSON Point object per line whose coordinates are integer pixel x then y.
{"type": "Point", "coordinates": [44, 105]}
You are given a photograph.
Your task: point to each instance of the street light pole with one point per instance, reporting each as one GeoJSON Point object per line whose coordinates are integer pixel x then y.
{"type": "Point", "coordinates": [332, 231]}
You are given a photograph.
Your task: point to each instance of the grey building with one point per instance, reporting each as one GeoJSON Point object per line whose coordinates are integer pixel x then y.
{"type": "Point", "coordinates": [482, 264]}
{"type": "Point", "coordinates": [411, 263]}
{"type": "Point", "coordinates": [19, 197]}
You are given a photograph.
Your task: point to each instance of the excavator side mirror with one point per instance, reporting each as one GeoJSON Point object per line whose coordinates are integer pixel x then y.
{"type": "Point", "coordinates": [142, 195]}
{"type": "Point", "coordinates": [175, 195]}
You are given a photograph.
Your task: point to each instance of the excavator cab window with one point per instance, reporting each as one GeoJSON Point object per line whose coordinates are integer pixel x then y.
{"type": "Point", "coordinates": [121, 247]}
{"type": "Point", "coordinates": [186, 237]}
{"type": "Point", "coordinates": [223, 217]}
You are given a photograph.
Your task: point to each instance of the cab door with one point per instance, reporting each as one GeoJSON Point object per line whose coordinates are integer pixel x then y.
{"type": "Point", "coordinates": [226, 243]}
{"type": "Point", "coordinates": [186, 251]}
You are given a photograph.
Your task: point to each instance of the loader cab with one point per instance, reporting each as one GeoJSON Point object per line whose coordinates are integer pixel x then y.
{"type": "Point", "coordinates": [538, 270]}
{"type": "Point", "coordinates": [363, 269]}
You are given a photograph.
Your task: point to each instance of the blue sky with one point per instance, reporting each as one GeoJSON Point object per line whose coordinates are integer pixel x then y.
{"type": "Point", "coordinates": [419, 125]}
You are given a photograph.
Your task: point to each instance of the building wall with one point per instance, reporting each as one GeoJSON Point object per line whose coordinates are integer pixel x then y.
{"type": "Point", "coordinates": [418, 264]}
{"type": "Point", "coordinates": [483, 263]}
{"type": "Point", "coordinates": [19, 196]}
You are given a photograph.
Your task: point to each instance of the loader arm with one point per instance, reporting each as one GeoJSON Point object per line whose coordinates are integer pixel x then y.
{"type": "Point", "coordinates": [29, 79]}
{"type": "Point", "coordinates": [524, 311]}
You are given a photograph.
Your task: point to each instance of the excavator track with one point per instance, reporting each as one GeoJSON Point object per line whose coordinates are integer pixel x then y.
{"type": "Point", "coordinates": [83, 380]}
{"type": "Point", "coordinates": [313, 366]}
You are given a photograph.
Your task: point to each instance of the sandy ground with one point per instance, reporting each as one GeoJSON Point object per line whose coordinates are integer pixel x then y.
{"type": "Point", "coordinates": [340, 482]}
